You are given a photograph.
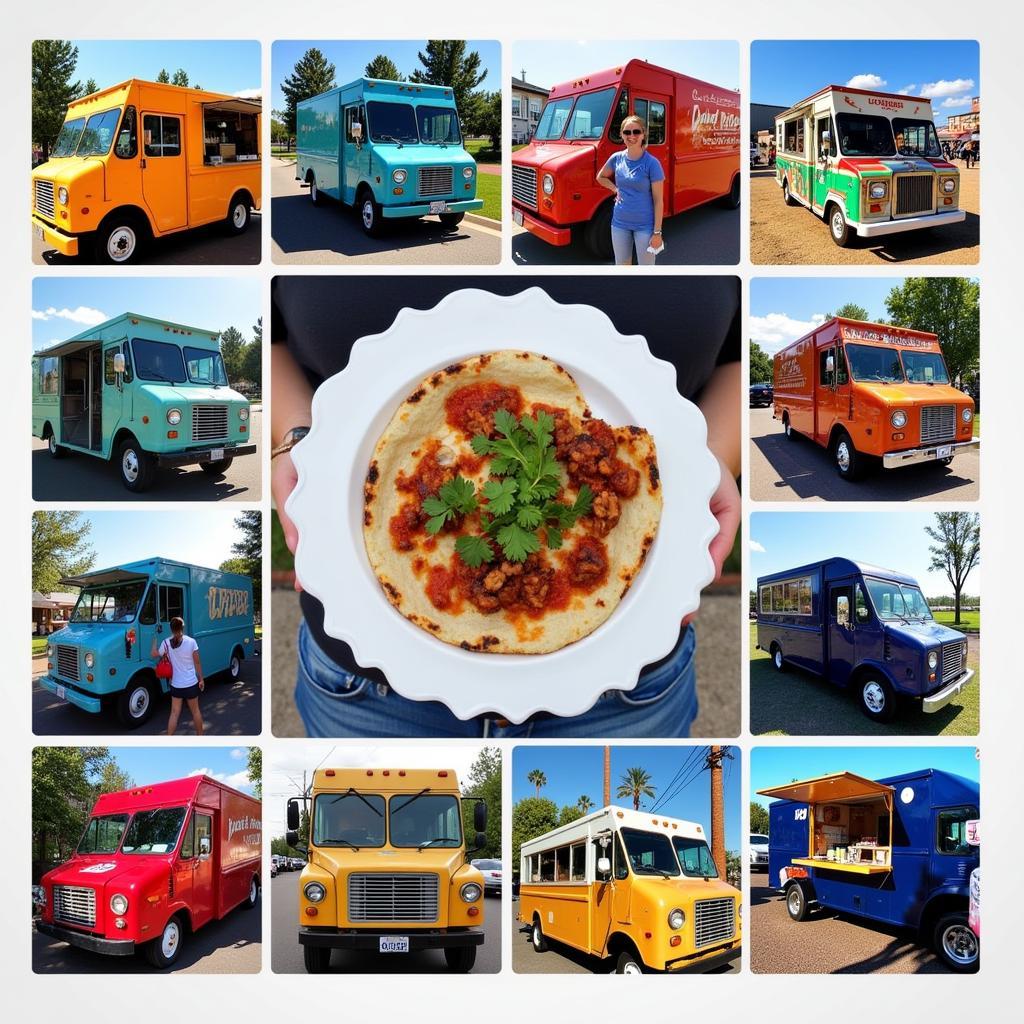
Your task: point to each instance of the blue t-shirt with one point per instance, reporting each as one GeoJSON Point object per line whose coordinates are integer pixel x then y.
{"type": "Point", "coordinates": [635, 209]}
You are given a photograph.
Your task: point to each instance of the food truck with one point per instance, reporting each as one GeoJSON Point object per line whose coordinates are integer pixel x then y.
{"type": "Point", "coordinates": [142, 393]}
{"type": "Point", "coordinates": [390, 150]}
{"type": "Point", "coordinates": [872, 393]}
{"type": "Point", "coordinates": [142, 160]}
{"type": "Point", "coordinates": [636, 889]}
{"type": "Point", "coordinates": [894, 850]}
{"type": "Point", "coordinates": [387, 867]}
{"type": "Point", "coordinates": [868, 163]}
{"type": "Point", "coordinates": [865, 629]}
{"type": "Point", "coordinates": [102, 656]}
{"type": "Point", "coordinates": [693, 128]}
{"type": "Point", "coordinates": [155, 864]}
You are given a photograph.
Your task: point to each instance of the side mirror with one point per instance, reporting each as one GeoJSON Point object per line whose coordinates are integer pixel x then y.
{"type": "Point", "coordinates": [480, 816]}
{"type": "Point", "coordinates": [118, 362]}
{"type": "Point", "coordinates": [480, 840]}
{"type": "Point", "coordinates": [291, 837]}
{"type": "Point", "coordinates": [604, 867]}
{"type": "Point", "coordinates": [293, 814]}
{"type": "Point", "coordinates": [204, 846]}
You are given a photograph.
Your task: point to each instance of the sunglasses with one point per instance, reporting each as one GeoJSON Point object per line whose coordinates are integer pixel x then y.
{"type": "Point", "coordinates": [632, 131]}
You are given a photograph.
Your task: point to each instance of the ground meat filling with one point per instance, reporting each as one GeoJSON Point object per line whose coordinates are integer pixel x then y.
{"type": "Point", "coordinates": [588, 564]}
{"type": "Point", "coordinates": [511, 586]}
{"type": "Point", "coordinates": [605, 513]}
{"type": "Point", "coordinates": [427, 478]}
{"type": "Point", "coordinates": [471, 408]}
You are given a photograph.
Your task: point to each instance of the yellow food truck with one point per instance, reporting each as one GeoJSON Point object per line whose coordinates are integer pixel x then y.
{"type": "Point", "coordinates": [141, 160]}
{"type": "Point", "coordinates": [634, 887]}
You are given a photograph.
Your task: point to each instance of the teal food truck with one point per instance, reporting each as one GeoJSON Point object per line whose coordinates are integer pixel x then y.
{"type": "Point", "coordinates": [142, 393]}
{"type": "Point", "coordinates": [102, 657]}
{"type": "Point", "coordinates": [388, 149]}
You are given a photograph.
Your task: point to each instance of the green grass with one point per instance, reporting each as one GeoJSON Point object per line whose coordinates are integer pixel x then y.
{"type": "Point", "coordinates": [977, 425]}
{"type": "Point", "coordinates": [522, 145]}
{"type": "Point", "coordinates": [280, 557]}
{"type": "Point", "coordinates": [480, 150]}
{"type": "Point", "coordinates": [488, 188]}
{"type": "Point", "coordinates": [968, 620]}
{"type": "Point", "coordinates": [38, 645]}
{"type": "Point", "coordinates": [796, 703]}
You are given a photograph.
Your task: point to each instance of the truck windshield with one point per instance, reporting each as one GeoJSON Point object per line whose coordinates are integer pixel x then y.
{"type": "Point", "coordinates": [864, 135]}
{"type": "Point", "coordinates": [897, 601]}
{"type": "Point", "coordinates": [348, 819]}
{"type": "Point", "coordinates": [154, 831]}
{"type": "Point", "coordinates": [426, 820]}
{"type": "Point", "coordinates": [103, 834]}
{"type": "Point", "coordinates": [391, 122]}
{"type": "Point", "coordinates": [67, 140]}
{"type": "Point", "coordinates": [553, 118]}
{"type": "Point", "coordinates": [205, 366]}
{"type": "Point", "coordinates": [109, 604]}
{"type": "Point", "coordinates": [158, 360]}
{"type": "Point", "coordinates": [438, 125]}
{"type": "Point", "coordinates": [925, 367]}
{"type": "Point", "coordinates": [590, 114]}
{"type": "Point", "coordinates": [867, 362]}
{"type": "Point", "coordinates": [695, 858]}
{"type": "Point", "coordinates": [99, 133]}
{"type": "Point", "coordinates": [650, 853]}
{"type": "Point", "coordinates": [915, 138]}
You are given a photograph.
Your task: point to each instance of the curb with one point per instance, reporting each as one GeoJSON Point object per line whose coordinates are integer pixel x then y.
{"type": "Point", "coordinates": [487, 222]}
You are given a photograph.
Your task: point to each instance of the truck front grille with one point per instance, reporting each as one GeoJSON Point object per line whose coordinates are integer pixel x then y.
{"type": "Point", "coordinates": [713, 921]}
{"type": "Point", "coordinates": [405, 897]}
{"type": "Point", "coordinates": [75, 904]}
{"type": "Point", "coordinates": [436, 181]}
{"type": "Point", "coordinates": [67, 662]}
{"type": "Point", "coordinates": [44, 198]}
{"type": "Point", "coordinates": [524, 185]}
{"type": "Point", "coordinates": [954, 659]}
{"type": "Point", "coordinates": [209, 422]}
{"type": "Point", "coordinates": [938, 423]}
{"type": "Point", "coordinates": [914, 194]}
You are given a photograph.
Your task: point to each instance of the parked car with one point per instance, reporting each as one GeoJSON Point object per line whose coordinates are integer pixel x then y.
{"type": "Point", "coordinates": [758, 852]}
{"type": "Point", "coordinates": [491, 870]}
{"type": "Point", "coordinates": [755, 155]}
{"type": "Point", "coordinates": [761, 395]}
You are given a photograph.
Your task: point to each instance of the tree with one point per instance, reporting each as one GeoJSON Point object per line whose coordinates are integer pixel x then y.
{"type": "Point", "coordinates": [384, 68]}
{"type": "Point", "coordinates": [53, 64]}
{"type": "Point", "coordinates": [585, 804]}
{"type": "Point", "coordinates": [531, 817]}
{"type": "Point", "coordinates": [484, 780]}
{"type": "Point", "coordinates": [635, 784]}
{"type": "Point", "coordinates": [180, 77]}
{"type": "Point", "coordinates": [537, 778]}
{"type": "Point", "coordinates": [248, 552]}
{"type": "Point", "coordinates": [948, 307]}
{"type": "Point", "coordinates": [569, 813]}
{"type": "Point", "coordinates": [446, 62]}
{"type": "Point", "coordinates": [254, 768]}
{"type": "Point", "coordinates": [252, 363]}
{"type": "Point", "coordinates": [90, 87]}
{"type": "Point", "coordinates": [758, 818]}
{"type": "Point", "coordinates": [957, 549]}
{"type": "Point", "coordinates": [60, 547]}
{"type": "Point", "coordinates": [278, 129]}
{"type": "Point", "coordinates": [232, 351]}
{"type": "Point", "coordinates": [486, 118]}
{"type": "Point", "coordinates": [112, 779]}
{"type": "Point", "coordinates": [850, 311]}
{"type": "Point", "coordinates": [761, 368]}
{"type": "Point", "coordinates": [163, 78]}
{"type": "Point", "coordinates": [313, 74]}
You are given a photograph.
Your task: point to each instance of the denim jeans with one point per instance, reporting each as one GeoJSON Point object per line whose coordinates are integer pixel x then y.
{"type": "Point", "coordinates": [623, 242]}
{"type": "Point", "coordinates": [336, 704]}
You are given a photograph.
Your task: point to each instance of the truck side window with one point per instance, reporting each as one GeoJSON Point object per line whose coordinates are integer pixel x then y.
{"type": "Point", "coordinates": [824, 148]}
{"type": "Point", "coordinates": [841, 374]}
{"type": "Point", "coordinates": [49, 375]}
{"type": "Point", "coordinates": [825, 375]}
{"type": "Point", "coordinates": [204, 830]}
{"type": "Point", "coordinates": [188, 841]}
{"type": "Point", "coordinates": [621, 113]}
{"type": "Point", "coordinates": [127, 145]}
{"type": "Point", "coordinates": [861, 605]}
{"type": "Point", "coordinates": [620, 868]}
{"type": "Point", "coordinates": [109, 377]}
{"type": "Point", "coordinates": [843, 610]}
{"type": "Point", "coordinates": [655, 124]}
{"type": "Point", "coordinates": [147, 617]}
{"type": "Point", "coordinates": [171, 603]}
{"type": "Point", "coordinates": [952, 831]}
{"type": "Point", "coordinates": [352, 117]}
{"type": "Point", "coordinates": [162, 135]}
{"type": "Point", "coordinates": [127, 375]}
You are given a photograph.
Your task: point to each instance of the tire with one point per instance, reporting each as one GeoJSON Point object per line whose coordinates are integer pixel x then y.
{"type": "Point", "coordinates": [537, 939]}
{"type": "Point", "coordinates": [797, 903]}
{"type": "Point", "coordinates": [217, 468]}
{"type": "Point", "coordinates": [239, 215]}
{"type": "Point", "coordinates": [597, 234]}
{"type": "Point", "coordinates": [778, 661]}
{"type": "Point", "coordinates": [787, 427]}
{"type": "Point", "coordinates": [234, 669]}
{"type": "Point", "coordinates": [135, 704]}
{"type": "Point", "coordinates": [317, 959]}
{"type": "Point", "coordinates": [877, 699]}
{"type": "Point", "coordinates": [254, 893]}
{"type": "Point", "coordinates": [450, 221]}
{"type": "Point", "coordinates": [369, 212]}
{"type": "Point", "coordinates": [849, 462]}
{"type": "Point", "coordinates": [957, 946]}
{"type": "Point", "coordinates": [460, 959]}
{"type": "Point", "coordinates": [119, 240]}
{"type": "Point", "coordinates": [316, 197]}
{"type": "Point", "coordinates": [56, 451]}
{"type": "Point", "coordinates": [137, 467]}
{"type": "Point", "coordinates": [837, 226]}
{"type": "Point", "coordinates": [787, 196]}
{"type": "Point", "coordinates": [163, 951]}
{"type": "Point", "coordinates": [731, 201]}
{"type": "Point", "coordinates": [628, 963]}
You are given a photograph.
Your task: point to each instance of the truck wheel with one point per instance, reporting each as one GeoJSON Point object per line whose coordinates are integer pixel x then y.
{"type": "Point", "coordinates": [234, 666]}
{"type": "Point", "coordinates": [787, 429]}
{"type": "Point", "coordinates": [119, 239]}
{"type": "Point", "coordinates": [837, 226]}
{"type": "Point", "coordinates": [786, 194]}
{"type": "Point", "coordinates": [162, 952]}
{"type": "Point", "coordinates": [56, 451]}
{"type": "Point", "coordinates": [540, 944]}
{"type": "Point", "coordinates": [254, 893]}
{"type": "Point", "coordinates": [316, 196]}
{"type": "Point", "coordinates": [317, 959]}
{"type": "Point", "coordinates": [778, 662]}
{"type": "Point", "coordinates": [877, 699]}
{"type": "Point", "coordinates": [597, 234]}
{"type": "Point", "coordinates": [137, 466]}
{"type": "Point", "coordinates": [847, 459]}
{"type": "Point", "coordinates": [628, 963]}
{"type": "Point", "coordinates": [135, 704]}
{"type": "Point", "coordinates": [460, 959]}
{"type": "Point", "coordinates": [796, 902]}
{"type": "Point", "coordinates": [450, 221]}
{"type": "Point", "coordinates": [955, 943]}
{"type": "Point", "coordinates": [217, 468]}
{"type": "Point", "coordinates": [370, 215]}
{"type": "Point", "coordinates": [239, 215]}
{"type": "Point", "coordinates": [731, 200]}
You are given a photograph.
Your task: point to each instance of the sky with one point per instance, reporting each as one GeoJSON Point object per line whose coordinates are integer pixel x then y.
{"type": "Point", "coordinates": [350, 58]}
{"type": "Point", "coordinates": [578, 771]}
{"type": "Point", "coordinates": [890, 540]}
{"type": "Point", "coordinates": [65, 306]}
{"type": "Point", "coordinates": [775, 766]}
{"type": "Point", "coordinates": [549, 62]}
{"type": "Point", "coordinates": [946, 71]}
{"type": "Point", "coordinates": [218, 65]}
{"type": "Point", "coordinates": [147, 765]}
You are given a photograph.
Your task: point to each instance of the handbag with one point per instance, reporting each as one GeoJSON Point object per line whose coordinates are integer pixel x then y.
{"type": "Point", "coordinates": [164, 668]}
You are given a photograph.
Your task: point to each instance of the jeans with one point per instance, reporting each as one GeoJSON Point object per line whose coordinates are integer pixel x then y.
{"type": "Point", "coordinates": [336, 704]}
{"type": "Point", "coordinates": [623, 241]}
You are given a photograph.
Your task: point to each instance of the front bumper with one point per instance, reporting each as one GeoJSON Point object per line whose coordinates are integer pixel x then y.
{"type": "Point", "coordinates": [544, 231]}
{"type": "Point", "coordinates": [939, 699]}
{"type": "Point", "coordinates": [196, 456]}
{"type": "Point", "coordinates": [366, 940]}
{"type": "Point", "coordinates": [895, 227]}
{"type": "Point", "coordinates": [66, 245]}
{"type": "Point", "coordinates": [912, 456]}
{"type": "Point", "coordinates": [708, 962]}
{"type": "Point", "coordinates": [423, 209]}
{"type": "Point", "coordinates": [111, 947]}
{"type": "Point", "coordinates": [71, 694]}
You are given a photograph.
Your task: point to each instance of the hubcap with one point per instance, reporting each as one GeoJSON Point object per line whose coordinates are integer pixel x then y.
{"type": "Point", "coordinates": [837, 224]}
{"type": "Point", "coordinates": [239, 215]}
{"type": "Point", "coordinates": [874, 697]}
{"type": "Point", "coordinates": [960, 944]}
{"type": "Point", "coordinates": [631, 968]}
{"type": "Point", "coordinates": [368, 214]}
{"type": "Point", "coordinates": [121, 244]}
{"type": "Point", "coordinates": [794, 901]}
{"type": "Point", "coordinates": [312, 190]}
{"type": "Point", "coordinates": [169, 940]}
{"type": "Point", "coordinates": [139, 702]}
{"type": "Point", "coordinates": [52, 440]}
{"type": "Point", "coordinates": [536, 936]}
{"type": "Point", "coordinates": [843, 455]}
{"type": "Point", "coordinates": [252, 891]}
{"type": "Point", "coordinates": [130, 466]}
{"type": "Point", "coordinates": [778, 659]}
{"type": "Point", "coordinates": [236, 667]}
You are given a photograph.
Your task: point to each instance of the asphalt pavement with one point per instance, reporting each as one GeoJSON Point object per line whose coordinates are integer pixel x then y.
{"type": "Point", "coordinates": [228, 709]}
{"type": "Point", "coordinates": [286, 953]}
{"type": "Point", "coordinates": [784, 469]}
{"type": "Point", "coordinates": [79, 477]}
{"type": "Point", "coordinates": [331, 233]}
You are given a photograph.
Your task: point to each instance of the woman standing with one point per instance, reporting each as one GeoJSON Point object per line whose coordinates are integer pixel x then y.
{"type": "Point", "coordinates": [187, 678]}
{"type": "Point", "coordinates": [638, 181]}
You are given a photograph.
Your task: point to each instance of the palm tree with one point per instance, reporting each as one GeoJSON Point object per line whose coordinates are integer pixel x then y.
{"type": "Point", "coordinates": [635, 783]}
{"type": "Point", "coordinates": [537, 778]}
{"type": "Point", "coordinates": [585, 804]}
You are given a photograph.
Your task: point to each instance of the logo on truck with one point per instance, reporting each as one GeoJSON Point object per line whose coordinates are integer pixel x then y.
{"type": "Point", "coordinates": [247, 824]}
{"type": "Point", "coordinates": [885, 338]}
{"type": "Point", "coordinates": [226, 604]}
{"type": "Point", "coordinates": [713, 127]}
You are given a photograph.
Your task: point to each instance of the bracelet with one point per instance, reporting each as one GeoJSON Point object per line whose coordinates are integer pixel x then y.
{"type": "Point", "coordinates": [291, 439]}
{"type": "Point", "coordinates": [656, 231]}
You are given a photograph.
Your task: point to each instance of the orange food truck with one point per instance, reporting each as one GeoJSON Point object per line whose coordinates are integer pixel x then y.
{"type": "Point", "coordinates": [141, 160]}
{"type": "Point", "coordinates": [872, 391]}
{"type": "Point", "coordinates": [693, 128]}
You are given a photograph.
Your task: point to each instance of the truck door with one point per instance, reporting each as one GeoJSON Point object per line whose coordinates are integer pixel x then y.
{"type": "Point", "coordinates": [824, 159]}
{"type": "Point", "coordinates": [841, 654]}
{"type": "Point", "coordinates": [654, 111]}
{"type": "Point", "coordinates": [205, 868]}
{"type": "Point", "coordinates": [164, 184]}
{"type": "Point", "coordinates": [112, 396]}
{"type": "Point", "coordinates": [163, 601]}
{"type": "Point", "coordinates": [831, 391]}
{"type": "Point", "coordinates": [95, 400]}
{"type": "Point", "coordinates": [355, 155]}
{"type": "Point", "coordinates": [601, 897]}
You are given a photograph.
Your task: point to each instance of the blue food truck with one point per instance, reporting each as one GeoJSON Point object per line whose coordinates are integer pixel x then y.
{"type": "Point", "coordinates": [102, 656]}
{"type": "Point", "coordinates": [388, 149]}
{"type": "Point", "coordinates": [862, 628]}
{"type": "Point", "coordinates": [896, 850]}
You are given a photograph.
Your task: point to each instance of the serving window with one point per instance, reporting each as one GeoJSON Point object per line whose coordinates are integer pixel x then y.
{"type": "Point", "coordinates": [789, 597]}
{"type": "Point", "coordinates": [230, 135]}
{"type": "Point", "coordinates": [562, 864]}
{"type": "Point", "coordinates": [793, 136]}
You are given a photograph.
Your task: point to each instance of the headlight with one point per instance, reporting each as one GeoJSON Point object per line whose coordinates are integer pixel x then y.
{"type": "Point", "coordinates": [314, 892]}
{"type": "Point", "coordinates": [49, 650]}
{"type": "Point", "coordinates": [967, 415]}
{"type": "Point", "coordinates": [243, 412]}
{"type": "Point", "coordinates": [878, 189]}
{"type": "Point", "coordinates": [90, 660]}
{"type": "Point", "coordinates": [548, 184]}
{"type": "Point", "coordinates": [174, 417]}
{"type": "Point", "coordinates": [470, 892]}
{"type": "Point", "coordinates": [933, 659]}
{"type": "Point", "coordinates": [676, 919]}
{"type": "Point", "coordinates": [467, 172]}
{"type": "Point", "coordinates": [898, 419]}
{"type": "Point", "coordinates": [62, 195]}
{"type": "Point", "coordinates": [399, 176]}
{"type": "Point", "coordinates": [119, 903]}
{"type": "Point", "coordinates": [949, 185]}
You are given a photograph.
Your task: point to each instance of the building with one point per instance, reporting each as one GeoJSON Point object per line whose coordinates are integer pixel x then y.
{"type": "Point", "coordinates": [970, 121]}
{"type": "Point", "coordinates": [527, 101]}
{"type": "Point", "coordinates": [51, 612]}
{"type": "Point", "coordinates": [762, 119]}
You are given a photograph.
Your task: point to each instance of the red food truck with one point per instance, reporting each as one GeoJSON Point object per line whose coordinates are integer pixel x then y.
{"type": "Point", "coordinates": [693, 128]}
{"type": "Point", "coordinates": [154, 864]}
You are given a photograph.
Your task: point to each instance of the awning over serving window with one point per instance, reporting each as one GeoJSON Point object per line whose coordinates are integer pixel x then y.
{"type": "Point", "coordinates": [838, 788]}
{"type": "Point", "coordinates": [104, 578]}
{"type": "Point", "coordinates": [66, 348]}
{"type": "Point", "coordinates": [239, 106]}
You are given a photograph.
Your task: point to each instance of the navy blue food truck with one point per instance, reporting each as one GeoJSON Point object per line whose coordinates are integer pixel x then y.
{"type": "Point", "coordinates": [895, 850]}
{"type": "Point", "coordinates": [866, 629]}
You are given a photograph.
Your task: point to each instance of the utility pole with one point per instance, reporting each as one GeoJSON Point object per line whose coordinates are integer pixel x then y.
{"type": "Point", "coordinates": [714, 764]}
{"type": "Point", "coordinates": [607, 775]}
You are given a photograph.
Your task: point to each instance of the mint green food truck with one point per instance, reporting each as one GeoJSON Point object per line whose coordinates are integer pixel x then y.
{"type": "Point", "coordinates": [389, 150]}
{"type": "Point", "coordinates": [101, 658]}
{"type": "Point", "coordinates": [142, 393]}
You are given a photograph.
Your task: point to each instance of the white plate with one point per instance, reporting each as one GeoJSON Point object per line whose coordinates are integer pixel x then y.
{"type": "Point", "coordinates": [621, 382]}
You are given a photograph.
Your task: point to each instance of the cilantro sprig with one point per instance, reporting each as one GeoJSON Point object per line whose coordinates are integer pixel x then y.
{"type": "Point", "coordinates": [517, 500]}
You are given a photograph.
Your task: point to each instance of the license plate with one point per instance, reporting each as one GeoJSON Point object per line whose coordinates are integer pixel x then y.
{"type": "Point", "coordinates": [216, 454]}
{"type": "Point", "coordinates": [517, 217]}
{"type": "Point", "coordinates": [439, 207]}
{"type": "Point", "coordinates": [61, 693]}
{"type": "Point", "coordinates": [944, 452]}
{"type": "Point", "coordinates": [39, 232]}
{"type": "Point", "coordinates": [394, 943]}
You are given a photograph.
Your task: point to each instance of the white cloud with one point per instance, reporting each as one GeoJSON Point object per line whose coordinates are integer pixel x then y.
{"type": "Point", "coordinates": [79, 315]}
{"type": "Point", "coordinates": [866, 82]}
{"type": "Point", "coordinates": [776, 330]}
{"type": "Point", "coordinates": [755, 546]}
{"type": "Point", "coordinates": [956, 101]}
{"type": "Point", "coordinates": [238, 754]}
{"type": "Point", "coordinates": [947, 87]}
{"type": "Point", "coordinates": [249, 94]}
{"type": "Point", "coordinates": [906, 90]}
{"type": "Point", "coordinates": [236, 780]}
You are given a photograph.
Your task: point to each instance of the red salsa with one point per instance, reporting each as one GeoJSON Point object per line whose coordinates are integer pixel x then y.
{"type": "Point", "coordinates": [471, 408]}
